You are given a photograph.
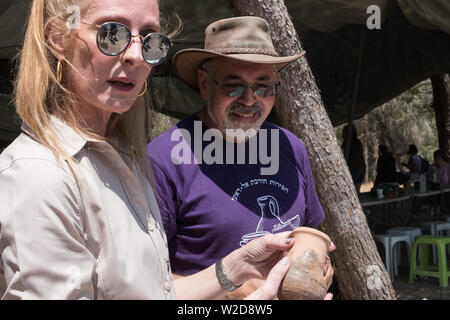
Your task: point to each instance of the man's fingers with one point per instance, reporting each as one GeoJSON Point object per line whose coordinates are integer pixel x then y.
{"type": "Point", "coordinates": [329, 273]}
{"type": "Point", "coordinates": [332, 247]}
{"type": "Point", "coordinates": [328, 296]}
{"type": "Point", "coordinates": [326, 265]}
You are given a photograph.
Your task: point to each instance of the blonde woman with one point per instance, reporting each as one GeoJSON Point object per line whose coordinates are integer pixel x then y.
{"type": "Point", "coordinates": [79, 219]}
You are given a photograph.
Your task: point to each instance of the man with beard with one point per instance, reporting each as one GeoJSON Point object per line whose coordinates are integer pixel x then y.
{"type": "Point", "coordinates": [226, 176]}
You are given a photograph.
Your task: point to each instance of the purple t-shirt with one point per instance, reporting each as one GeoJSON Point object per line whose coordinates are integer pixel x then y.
{"type": "Point", "coordinates": [210, 208]}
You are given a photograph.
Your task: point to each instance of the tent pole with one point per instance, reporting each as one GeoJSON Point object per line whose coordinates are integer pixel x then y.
{"type": "Point", "coordinates": [355, 92]}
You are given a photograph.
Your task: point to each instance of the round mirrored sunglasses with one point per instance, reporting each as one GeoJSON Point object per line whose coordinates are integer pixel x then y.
{"type": "Point", "coordinates": [113, 38]}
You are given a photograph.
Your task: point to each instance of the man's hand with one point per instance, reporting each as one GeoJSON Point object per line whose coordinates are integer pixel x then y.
{"type": "Point", "coordinates": [328, 272]}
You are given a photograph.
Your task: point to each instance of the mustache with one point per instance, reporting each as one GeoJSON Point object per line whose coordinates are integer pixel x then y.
{"type": "Point", "coordinates": [242, 109]}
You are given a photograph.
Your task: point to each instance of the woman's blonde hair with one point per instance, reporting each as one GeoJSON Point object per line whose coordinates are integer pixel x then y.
{"type": "Point", "coordinates": [38, 94]}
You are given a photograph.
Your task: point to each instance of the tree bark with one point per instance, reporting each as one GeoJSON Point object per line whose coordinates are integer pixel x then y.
{"type": "Point", "coordinates": [358, 266]}
{"type": "Point", "coordinates": [441, 106]}
{"type": "Point", "coordinates": [158, 123]}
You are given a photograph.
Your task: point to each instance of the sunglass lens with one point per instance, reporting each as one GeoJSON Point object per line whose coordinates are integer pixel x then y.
{"type": "Point", "coordinates": [155, 48]}
{"type": "Point", "coordinates": [266, 91]}
{"type": "Point", "coordinates": [263, 92]}
{"type": "Point", "coordinates": [113, 38]}
{"type": "Point", "coordinates": [237, 92]}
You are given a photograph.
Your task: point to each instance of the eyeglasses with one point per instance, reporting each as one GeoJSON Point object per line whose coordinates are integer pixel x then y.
{"type": "Point", "coordinates": [235, 89]}
{"type": "Point", "coordinates": [113, 38]}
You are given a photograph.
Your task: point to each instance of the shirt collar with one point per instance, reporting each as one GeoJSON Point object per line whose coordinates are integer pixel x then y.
{"type": "Point", "coordinates": [71, 141]}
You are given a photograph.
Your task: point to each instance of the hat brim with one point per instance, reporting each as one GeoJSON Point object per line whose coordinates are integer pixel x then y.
{"type": "Point", "coordinates": [186, 62]}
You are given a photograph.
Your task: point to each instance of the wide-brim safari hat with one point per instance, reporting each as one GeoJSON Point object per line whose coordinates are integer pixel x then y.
{"type": "Point", "coordinates": [241, 38]}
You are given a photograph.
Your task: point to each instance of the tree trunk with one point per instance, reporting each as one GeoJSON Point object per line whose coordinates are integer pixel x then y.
{"type": "Point", "coordinates": [441, 105]}
{"type": "Point", "coordinates": [358, 266]}
{"type": "Point", "coordinates": [157, 123]}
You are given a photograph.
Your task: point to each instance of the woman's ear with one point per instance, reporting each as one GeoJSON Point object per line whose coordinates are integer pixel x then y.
{"type": "Point", "coordinates": [55, 38]}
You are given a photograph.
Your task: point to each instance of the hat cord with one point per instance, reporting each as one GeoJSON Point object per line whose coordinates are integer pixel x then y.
{"type": "Point", "coordinates": [267, 52]}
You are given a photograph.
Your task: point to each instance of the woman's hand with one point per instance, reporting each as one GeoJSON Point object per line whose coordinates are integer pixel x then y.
{"type": "Point", "coordinates": [269, 289]}
{"type": "Point", "coordinates": [256, 259]}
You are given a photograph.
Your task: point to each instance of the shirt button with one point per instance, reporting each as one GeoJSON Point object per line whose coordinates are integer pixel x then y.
{"type": "Point", "coordinates": [167, 287]}
{"type": "Point", "coordinates": [150, 227]}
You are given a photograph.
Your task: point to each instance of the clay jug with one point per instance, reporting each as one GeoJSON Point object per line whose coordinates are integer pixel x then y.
{"type": "Point", "coordinates": [305, 278]}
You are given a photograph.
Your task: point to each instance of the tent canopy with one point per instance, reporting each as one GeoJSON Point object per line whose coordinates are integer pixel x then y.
{"type": "Point", "coordinates": [331, 15]}
{"type": "Point", "coordinates": [412, 45]}
{"type": "Point", "coordinates": [13, 14]}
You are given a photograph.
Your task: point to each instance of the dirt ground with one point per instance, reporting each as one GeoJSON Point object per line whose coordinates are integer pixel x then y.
{"type": "Point", "coordinates": [422, 288]}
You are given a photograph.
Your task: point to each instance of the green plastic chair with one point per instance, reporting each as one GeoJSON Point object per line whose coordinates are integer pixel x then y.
{"type": "Point", "coordinates": [425, 269]}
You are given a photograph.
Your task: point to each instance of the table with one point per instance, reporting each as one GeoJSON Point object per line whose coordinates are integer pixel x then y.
{"type": "Point", "coordinates": [368, 200]}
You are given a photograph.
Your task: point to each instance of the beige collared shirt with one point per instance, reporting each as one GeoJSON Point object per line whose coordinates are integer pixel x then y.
{"type": "Point", "coordinates": [103, 240]}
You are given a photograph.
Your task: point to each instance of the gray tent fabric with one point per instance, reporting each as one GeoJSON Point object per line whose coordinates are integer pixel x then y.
{"type": "Point", "coordinates": [308, 15]}
{"type": "Point", "coordinates": [412, 45]}
{"type": "Point", "coordinates": [427, 14]}
{"type": "Point", "coordinates": [12, 26]}
{"type": "Point", "coordinates": [394, 59]}
{"type": "Point", "coordinates": [331, 15]}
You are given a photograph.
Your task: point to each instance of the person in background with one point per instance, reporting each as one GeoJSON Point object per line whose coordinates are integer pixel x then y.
{"type": "Point", "coordinates": [386, 171]}
{"type": "Point", "coordinates": [441, 168]}
{"type": "Point", "coordinates": [413, 165]}
{"type": "Point", "coordinates": [355, 159]}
